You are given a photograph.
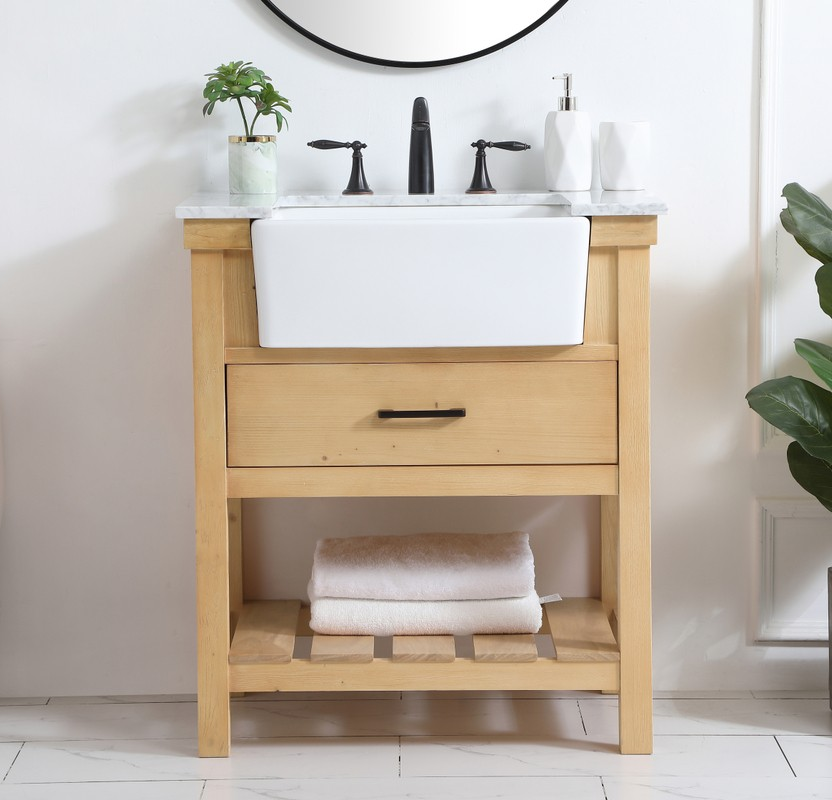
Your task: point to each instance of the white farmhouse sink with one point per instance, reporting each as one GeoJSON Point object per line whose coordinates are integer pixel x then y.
{"type": "Point", "coordinates": [447, 276]}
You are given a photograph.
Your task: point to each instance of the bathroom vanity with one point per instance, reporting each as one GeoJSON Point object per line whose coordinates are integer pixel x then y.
{"type": "Point", "coordinates": [541, 420]}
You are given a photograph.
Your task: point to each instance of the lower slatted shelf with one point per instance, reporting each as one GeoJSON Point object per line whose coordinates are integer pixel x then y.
{"type": "Point", "coordinates": [268, 654]}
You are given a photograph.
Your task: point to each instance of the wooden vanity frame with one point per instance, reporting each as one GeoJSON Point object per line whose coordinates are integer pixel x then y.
{"type": "Point", "coordinates": [602, 644]}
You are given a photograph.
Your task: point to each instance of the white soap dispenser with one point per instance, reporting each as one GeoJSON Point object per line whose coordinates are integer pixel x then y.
{"type": "Point", "coordinates": [567, 144]}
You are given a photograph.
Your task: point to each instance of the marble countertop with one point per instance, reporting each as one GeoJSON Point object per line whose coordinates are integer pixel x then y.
{"type": "Point", "coordinates": [220, 205]}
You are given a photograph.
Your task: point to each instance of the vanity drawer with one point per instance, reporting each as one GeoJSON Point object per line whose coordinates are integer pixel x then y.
{"type": "Point", "coordinates": [514, 413]}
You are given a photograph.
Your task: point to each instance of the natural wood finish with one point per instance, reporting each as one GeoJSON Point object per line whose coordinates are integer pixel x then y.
{"type": "Point", "coordinates": [304, 618]}
{"type": "Point", "coordinates": [423, 648]}
{"type": "Point", "coordinates": [616, 332]}
{"type": "Point", "coordinates": [218, 234]}
{"type": "Point", "coordinates": [212, 539]}
{"type": "Point", "coordinates": [634, 604]}
{"type": "Point", "coordinates": [342, 649]}
{"type": "Point", "coordinates": [383, 675]}
{"type": "Point", "coordinates": [307, 415]}
{"type": "Point", "coordinates": [265, 633]}
{"type": "Point", "coordinates": [519, 647]}
{"type": "Point", "coordinates": [240, 304]}
{"type": "Point", "coordinates": [609, 552]}
{"type": "Point", "coordinates": [581, 631]}
{"type": "Point", "coordinates": [235, 560]}
{"type": "Point", "coordinates": [601, 320]}
{"type": "Point", "coordinates": [481, 481]}
{"type": "Point", "coordinates": [622, 232]}
{"type": "Point", "coordinates": [403, 355]}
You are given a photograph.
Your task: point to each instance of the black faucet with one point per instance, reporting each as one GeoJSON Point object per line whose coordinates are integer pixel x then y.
{"type": "Point", "coordinates": [420, 172]}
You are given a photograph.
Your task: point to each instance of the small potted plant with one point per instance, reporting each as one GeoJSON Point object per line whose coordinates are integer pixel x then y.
{"type": "Point", "coordinates": [800, 408]}
{"type": "Point", "coordinates": [252, 160]}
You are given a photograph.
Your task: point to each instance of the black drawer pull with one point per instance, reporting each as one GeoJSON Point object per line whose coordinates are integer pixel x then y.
{"type": "Point", "coordinates": [421, 413]}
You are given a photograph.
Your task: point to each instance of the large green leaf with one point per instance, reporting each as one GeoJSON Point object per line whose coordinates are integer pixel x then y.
{"type": "Point", "coordinates": [818, 356]}
{"type": "Point", "coordinates": [813, 474]}
{"type": "Point", "coordinates": [823, 280]}
{"type": "Point", "coordinates": [809, 220]}
{"type": "Point", "coordinates": [799, 408]}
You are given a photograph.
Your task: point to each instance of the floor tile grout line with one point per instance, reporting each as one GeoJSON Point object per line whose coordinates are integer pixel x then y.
{"type": "Point", "coordinates": [776, 739]}
{"type": "Point", "coordinates": [581, 715]}
{"type": "Point", "coordinates": [19, 749]}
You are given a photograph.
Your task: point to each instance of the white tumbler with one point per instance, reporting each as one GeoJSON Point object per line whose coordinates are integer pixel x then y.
{"type": "Point", "coordinates": [624, 155]}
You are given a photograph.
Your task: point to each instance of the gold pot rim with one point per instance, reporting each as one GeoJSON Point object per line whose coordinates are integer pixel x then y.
{"type": "Point", "coordinates": [235, 139]}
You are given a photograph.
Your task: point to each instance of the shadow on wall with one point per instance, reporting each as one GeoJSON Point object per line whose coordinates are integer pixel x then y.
{"type": "Point", "coordinates": [96, 556]}
{"type": "Point", "coordinates": [705, 542]}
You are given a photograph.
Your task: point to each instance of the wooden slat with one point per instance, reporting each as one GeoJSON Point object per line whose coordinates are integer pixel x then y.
{"type": "Point", "coordinates": [517, 647]}
{"type": "Point", "coordinates": [424, 648]}
{"type": "Point", "coordinates": [581, 631]}
{"type": "Point", "coordinates": [399, 355]}
{"type": "Point", "coordinates": [623, 231]}
{"type": "Point", "coordinates": [265, 633]}
{"type": "Point", "coordinates": [218, 234]}
{"type": "Point", "coordinates": [342, 649]}
{"type": "Point", "coordinates": [383, 675]}
{"type": "Point", "coordinates": [480, 481]}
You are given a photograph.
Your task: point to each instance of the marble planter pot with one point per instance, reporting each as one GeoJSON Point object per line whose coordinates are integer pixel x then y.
{"type": "Point", "coordinates": [829, 600]}
{"type": "Point", "coordinates": [252, 164]}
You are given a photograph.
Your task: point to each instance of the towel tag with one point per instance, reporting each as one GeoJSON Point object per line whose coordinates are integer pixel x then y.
{"type": "Point", "coordinates": [550, 598]}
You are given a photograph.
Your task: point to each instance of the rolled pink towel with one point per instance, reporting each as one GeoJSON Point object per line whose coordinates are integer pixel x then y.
{"type": "Point", "coordinates": [424, 566]}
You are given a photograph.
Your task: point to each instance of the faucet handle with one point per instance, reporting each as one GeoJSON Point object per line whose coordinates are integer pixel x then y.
{"type": "Point", "coordinates": [357, 183]}
{"type": "Point", "coordinates": [513, 146]}
{"type": "Point", "coordinates": [330, 144]}
{"type": "Point", "coordinates": [481, 183]}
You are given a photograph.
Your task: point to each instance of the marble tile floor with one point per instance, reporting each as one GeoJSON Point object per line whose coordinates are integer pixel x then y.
{"type": "Point", "coordinates": [431, 746]}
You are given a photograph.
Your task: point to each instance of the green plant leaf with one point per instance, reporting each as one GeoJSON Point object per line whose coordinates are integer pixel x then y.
{"type": "Point", "coordinates": [818, 356]}
{"type": "Point", "coordinates": [813, 474]}
{"type": "Point", "coordinates": [809, 220]}
{"type": "Point", "coordinates": [240, 80]}
{"type": "Point", "coordinates": [823, 280]}
{"type": "Point", "coordinates": [799, 408]}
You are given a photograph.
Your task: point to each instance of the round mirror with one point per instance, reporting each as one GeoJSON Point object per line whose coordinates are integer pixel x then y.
{"type": "Point", "coordinates": [427, 33]}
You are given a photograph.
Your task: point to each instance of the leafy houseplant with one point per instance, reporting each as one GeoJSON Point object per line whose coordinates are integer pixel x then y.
{"type": "Point", "coordinates": [252, 160]}
{"type": "Point", "coordinates": [240, 81]}
{"type": "Point", "coordinates": [798, 407]}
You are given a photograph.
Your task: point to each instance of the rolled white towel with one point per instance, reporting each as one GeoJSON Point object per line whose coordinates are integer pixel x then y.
{"type": "Point", "coordinates": [347, 617]}
{"type": "Point", "coordinates": [424, 566]}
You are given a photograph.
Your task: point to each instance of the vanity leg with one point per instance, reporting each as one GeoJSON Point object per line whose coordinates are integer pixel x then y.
{"type": "Point", "coordinates": [609, 563]}
{"type": "Point", "coordinates": [235, 566]}
{"type": "Point", "coordinates": [235, 559]}
{"type": "Point", "coordinates": [635, 702]}
{"type": "Point", "coordinates": [609, 557]}
{"type": "Point", "coordinates": [212, 525]}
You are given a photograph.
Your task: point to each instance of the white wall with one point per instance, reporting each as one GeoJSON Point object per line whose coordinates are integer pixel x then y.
{"type": "Point", "coordinates": [102, 135]}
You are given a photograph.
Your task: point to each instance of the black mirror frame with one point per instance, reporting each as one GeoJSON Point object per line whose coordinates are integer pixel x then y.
{"type": "Point", "coordinates": [414, 64]}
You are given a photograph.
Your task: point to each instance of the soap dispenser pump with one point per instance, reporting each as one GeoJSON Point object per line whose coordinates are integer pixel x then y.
{"type": "Point", "coordinates": [567, 144]}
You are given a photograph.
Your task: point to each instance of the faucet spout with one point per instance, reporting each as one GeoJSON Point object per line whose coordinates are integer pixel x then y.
{"type": "Point", "coordinates": [420, 170]}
